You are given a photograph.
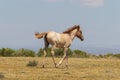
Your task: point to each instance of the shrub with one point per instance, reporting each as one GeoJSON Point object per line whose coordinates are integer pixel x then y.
{"type": "Point", "coordinates": [70, 52]}
{"type": "Point", "coordinates": [32, 63]}
{"type": "Point", "coordinates": [100, 56]}
{"type": "Point", "coordinates": [2, 76]}
{"type": "Point", "coordinates": [117, 55]}
{"type": "Point", "coordinates": [108, 55]}
{"type": "Point", "coordinates": [80, 54]}
{"type": "Point", "coordinates": [41, 52]}
{"type": "Point", "coordinates": [25, 53]}
{"type": "Point", "coordinates": [58, 52]}
{"type": "Point", "coordinates": [7, 52]}
{"type": "Point", "coordinates": [2, 51]}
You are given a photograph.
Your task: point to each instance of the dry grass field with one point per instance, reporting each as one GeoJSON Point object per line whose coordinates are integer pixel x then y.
{"type": "Point", "coordinates": [14, 68]}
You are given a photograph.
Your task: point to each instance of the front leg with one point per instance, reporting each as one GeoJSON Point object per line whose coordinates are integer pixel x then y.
{"type": "Point", "coordinates": [63, 58]}
{"type": "Point", "coordinates": [67, 61]}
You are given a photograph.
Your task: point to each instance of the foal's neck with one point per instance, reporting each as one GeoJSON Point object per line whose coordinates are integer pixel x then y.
{"type": "Point", "coordinates": [73, 34]}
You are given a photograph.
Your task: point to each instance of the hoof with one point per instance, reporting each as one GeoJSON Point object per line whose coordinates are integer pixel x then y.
{"type": "Point", "coordinates": [58, 65]}
{"type": "Point", "coordinates": [67, 67]}
{"type": "Point", "coordinates": [43, 66]}
{"type": "Point", "coordinates": [55, 65]}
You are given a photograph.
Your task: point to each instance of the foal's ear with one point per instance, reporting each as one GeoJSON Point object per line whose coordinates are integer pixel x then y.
{"type": "Point", "coordinates": [78, 26]}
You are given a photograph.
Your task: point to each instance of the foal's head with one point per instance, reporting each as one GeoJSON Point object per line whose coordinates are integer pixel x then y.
{"type": "Point", "coordinates": [79, 33]}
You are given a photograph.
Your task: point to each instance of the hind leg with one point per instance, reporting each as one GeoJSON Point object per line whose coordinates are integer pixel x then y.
{"type": "Point", "coordinates": [53, 54]}
{"type": "Point", "coordinates": [45, 53]}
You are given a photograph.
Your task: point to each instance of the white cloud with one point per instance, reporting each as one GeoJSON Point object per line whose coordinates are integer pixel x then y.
{"type": "Point", "coordinates": [93, 3]}
{"type": "Point", "coordinates": [52, 0]}
{"type": "Point", "coordinates": [89, 3]}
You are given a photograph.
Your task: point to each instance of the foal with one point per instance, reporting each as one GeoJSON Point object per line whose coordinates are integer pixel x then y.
{"type": "Point", "coordinates": [60, 40]}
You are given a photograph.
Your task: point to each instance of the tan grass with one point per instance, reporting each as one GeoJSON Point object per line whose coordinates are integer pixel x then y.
{"type": "Point", "coordinates": [14, 68]}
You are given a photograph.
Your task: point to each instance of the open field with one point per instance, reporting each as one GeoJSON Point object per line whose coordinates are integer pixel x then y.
{"type": "Point", "coordinates": [14, 68]}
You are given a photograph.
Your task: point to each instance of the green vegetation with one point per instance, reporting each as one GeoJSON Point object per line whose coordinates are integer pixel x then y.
{"type": "Point", "coordinates": [25, 53]}
{"type": "Point", "coordinates": [8, 52]}
{"type": "Point", "coordinates": [32, 63]}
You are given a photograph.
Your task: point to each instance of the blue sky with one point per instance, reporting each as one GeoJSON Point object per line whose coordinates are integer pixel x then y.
{"type": "Point", "coordinates": [99, 21]}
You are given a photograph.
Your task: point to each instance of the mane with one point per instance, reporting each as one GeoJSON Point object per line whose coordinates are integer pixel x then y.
{"type": "Point", "coordinates": [71, 29]}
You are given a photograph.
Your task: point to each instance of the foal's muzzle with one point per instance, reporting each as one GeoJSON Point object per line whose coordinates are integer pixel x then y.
{"type": "Point", "coordinates": [82, 39]}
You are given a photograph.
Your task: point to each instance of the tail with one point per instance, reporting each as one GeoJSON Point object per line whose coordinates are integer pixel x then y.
{"type": "Point", "coordinates": [40, 35]}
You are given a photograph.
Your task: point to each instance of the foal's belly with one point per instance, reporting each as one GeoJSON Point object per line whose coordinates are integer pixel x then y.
{"type": "Point", "coordinates": [63, 44]}
{"type": "Point", "coordinates": [60, 45]}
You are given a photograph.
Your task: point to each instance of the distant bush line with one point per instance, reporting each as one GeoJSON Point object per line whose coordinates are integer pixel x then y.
{"type": "Point", "coordinates": [8, 52]}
